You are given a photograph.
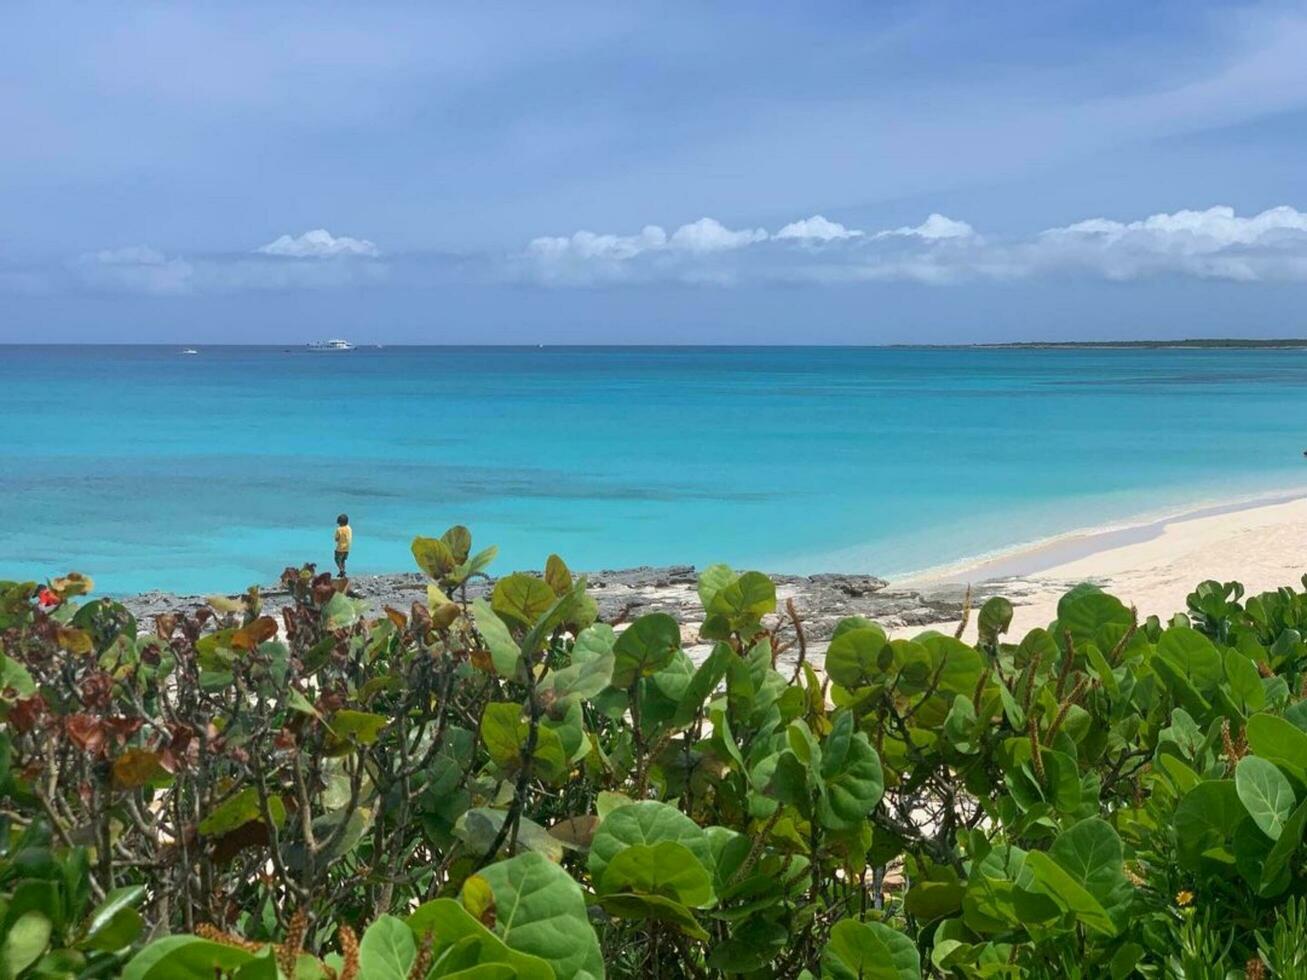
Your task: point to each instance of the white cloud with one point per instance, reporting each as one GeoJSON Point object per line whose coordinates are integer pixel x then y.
{"type": "Point", "coordinates": [1193, 232]}
{"type": "Point", "coordinates": [817, 228]}
{"type": "Point", "coordinates": [588, 245]}
{"type": "Point", "coordinates": [586, 257]}
{"type": "Point", "coordinates": [934, 228]}
{"type": "Point", "coordinates": [710, 235]}
{"type": "Point", "coordinates": [706, 251]}
{"type": "Point", "coordinates": [1215, 243]}
{"type": "Point", "coordinates": [319, 244]}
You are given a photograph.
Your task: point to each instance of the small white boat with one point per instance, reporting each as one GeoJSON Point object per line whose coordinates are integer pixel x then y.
{"type": "Point", "coordinates": [328, 345]}
{"type": "Point", "coordinates": [190, 350]}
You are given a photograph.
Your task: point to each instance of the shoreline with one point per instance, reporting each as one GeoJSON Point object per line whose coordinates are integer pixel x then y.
{"type": "Point", "coordinates": [1041, 555]}
{"type": "Point", "coordinates": [1153, 565]}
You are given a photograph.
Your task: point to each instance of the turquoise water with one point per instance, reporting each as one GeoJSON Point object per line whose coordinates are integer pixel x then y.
{"type": "Point", "coordinates": [149, 469]}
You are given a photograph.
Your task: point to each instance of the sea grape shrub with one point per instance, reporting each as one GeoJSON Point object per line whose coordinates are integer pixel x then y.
{"type": "Point", "coordinates": [508, 787]}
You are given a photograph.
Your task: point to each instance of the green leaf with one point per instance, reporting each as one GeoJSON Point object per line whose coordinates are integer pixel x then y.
{"type": "Point", "coordinates": [339, 612]}
{"type": "Point", "coordinates": [184, 958]}
{"type": "Point", "coordinates": [1089, 614]}
{"type": "Point", "coordinates": [479, 826]}
{"type": "Point", "coordinates": [504, 651]}
{"type": "Point", "coordinates": [1055, 882]}
{"type": "Point", "coordinates": [521, 598]}
{"type": "Point", "coordinates": [115, 923]}
{"type": "Point", "coordinates": [387, 950]}
{"type": "Point", "coordinates": [360, 726]}
{"type": "Point", "coordinates": [641, 907]}
{"type": "Point", "coordinates": [855, 658]}
{"type": "Point", "coordinates": [540, 910]}
{"type": "Point", "coordinates": [705, 681]}
{"type": "Point", "coordinates": [453, 926]}
{"type": "Point", "coordinates": [850, 769]}
{"type": "Point", "coordinates": [458, 540]}
{"type": "Point", "coordinates": [712, 580]}
{"type": "Point", "coordinates": [238, 810]}
{"type": "Point", "coordinates": [505, 733]}
{"type": "Point", "coordinates": [433, 556]}
{"type": "Point", "coordinates": [27, 939]}
{"type": "Point", "coordinates": [579, 681]}
{"type": "Point", "coordinates": [573, 606]}
{"type": "Point", "coordinates": [932, 898]}
{"type": "Point", "coordinates": [262, 967]}
{"type": "Point", "coordinates": [1274, 879]}
{"type": "Point", "coordinates": [1083, 872]}
{"type": "Point", "coordinates": [667, 868]}
{"type": "Point", "coordinates": [743, 602]}
{"type": "Point", "coordinates": [475, 565]}
{"type": "Point", "coordinates": [484, 971]}
{"type": "Point", "coordinates": [995, 618]}
{"type": "Point", "coordinates": [1265, 794]}
{"type": "Point", "coordinates": [1205, 819]}
{"type": "Point", "coordinates": [1279, 741]}
{"type": "Point", "coordinates": [557, 575]}
{"type": "Point", "coordinates": [298, 702]}
{"type": "Point", "coordinates": [14, 675]}
{"type": "Point", "coordinates": [1193, 656]}
{"type": "Point", "coordinates": [646, 646]}
{"type": "Point", "coordinates": [869, 951]}
{"type": "Point", "coordinates": [645, 822]}
{"type": "Point", "coordinates": [1244, 680]}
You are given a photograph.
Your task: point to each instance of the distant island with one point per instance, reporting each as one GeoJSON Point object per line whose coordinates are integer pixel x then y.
{"type": "Point", "coordinates": [1216, 343]}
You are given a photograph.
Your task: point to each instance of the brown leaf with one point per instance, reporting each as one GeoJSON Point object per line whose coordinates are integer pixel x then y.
{"type": "Point", "coordinates": [86, 732]}
{"type": "Point", "coordinates": [252, 833]}
{"type": "Point", "coordinates": [249, 636]}
{"type": "Point", "coordinates": [396, 617]}
{"type": "Point", "coordinates": [97, 690]}
{"type": "Point", "coordinates": [442, 617]}
{"type": "Point", "coordinates": [136, 767]}
{"type": "Point", "coordinates": [74, 583]}
{"type": "Point", "coordinates": [122, 727]}
{"type": "Point", "coordinates": [74, 640]}
{"type": "Point", "coordinates": [579, 831]}
{"type": "Point", "coordinates": [27, 713]}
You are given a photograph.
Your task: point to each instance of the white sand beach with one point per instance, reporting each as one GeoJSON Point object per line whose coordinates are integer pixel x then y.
{"type": "Point", "coordinates": [1153, 566]}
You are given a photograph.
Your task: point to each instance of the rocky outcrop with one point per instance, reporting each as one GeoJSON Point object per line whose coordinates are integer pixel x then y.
{"type": "Point", "coordinates": [821, 600]}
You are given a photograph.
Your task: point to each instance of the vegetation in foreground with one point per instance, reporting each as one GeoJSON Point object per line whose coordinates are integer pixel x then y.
{"type": "Point", "coordinates": [509, 788]}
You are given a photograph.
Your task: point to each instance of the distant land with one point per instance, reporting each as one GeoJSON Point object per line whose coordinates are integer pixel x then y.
{"type": "Point", "coordinates": [1219, 342]}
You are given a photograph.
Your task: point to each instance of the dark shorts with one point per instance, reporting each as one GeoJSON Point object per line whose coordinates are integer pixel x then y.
{"type": "Point", "coordinates": [341, 556]}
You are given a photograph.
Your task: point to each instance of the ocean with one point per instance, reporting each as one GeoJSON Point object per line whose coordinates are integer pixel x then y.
{"type": "Point", "coordinates": [146, 468]}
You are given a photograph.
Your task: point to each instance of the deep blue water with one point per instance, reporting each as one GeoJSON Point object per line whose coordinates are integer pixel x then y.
{"type": "Point", "coordinates": [149, 469]}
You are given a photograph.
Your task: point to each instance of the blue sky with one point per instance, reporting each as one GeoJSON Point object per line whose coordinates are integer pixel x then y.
{"type": "Point", "coordinates": [645, 173]}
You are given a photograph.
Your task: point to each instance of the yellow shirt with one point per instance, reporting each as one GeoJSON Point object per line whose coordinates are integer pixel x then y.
{"type": "Point", "coordinates": [344, 537]}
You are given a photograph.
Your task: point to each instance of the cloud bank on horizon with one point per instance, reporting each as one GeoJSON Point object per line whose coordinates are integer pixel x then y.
{"type": "Point", "coordinates": [1213, 243]}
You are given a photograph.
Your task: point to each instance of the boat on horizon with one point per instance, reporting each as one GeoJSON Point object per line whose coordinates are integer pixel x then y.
{"type": "Point", "coordinates": [190, 350]}
{"type": "Point", "coordinates": [330, 345]}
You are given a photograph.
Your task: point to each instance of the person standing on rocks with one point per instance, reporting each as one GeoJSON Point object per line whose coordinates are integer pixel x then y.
{"type": "Point", "coordinates": [344, 538]}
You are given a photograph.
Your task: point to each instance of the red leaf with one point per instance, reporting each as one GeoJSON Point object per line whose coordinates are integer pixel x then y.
{"type": "Point", "coordinates": [86, 732]}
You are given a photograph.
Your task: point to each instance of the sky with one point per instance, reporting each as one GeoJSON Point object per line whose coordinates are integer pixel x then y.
{"type": "Point", "coordinates": [733, 173]}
